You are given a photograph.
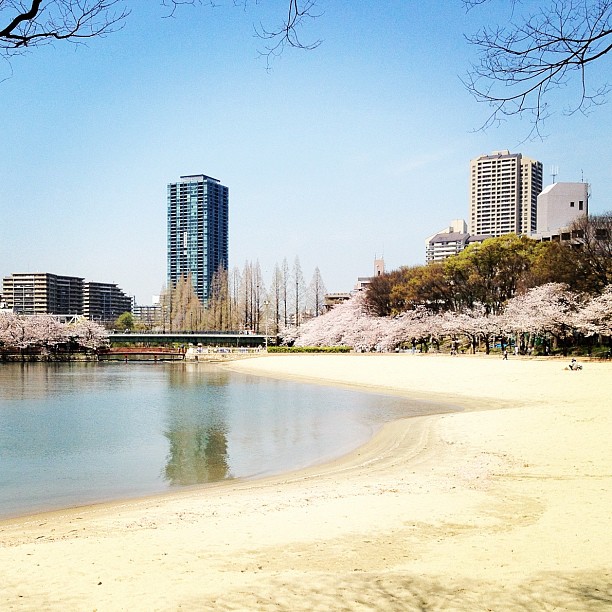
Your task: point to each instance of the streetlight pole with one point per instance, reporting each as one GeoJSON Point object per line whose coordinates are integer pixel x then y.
{"type": "Point", "coordinates": [266, 304]}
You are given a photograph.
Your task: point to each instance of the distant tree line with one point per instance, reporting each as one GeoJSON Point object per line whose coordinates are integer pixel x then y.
{"type": "Point", "coordinates": [537, 296]}
{"type": "Point", "coordinates": [490, 273]}
{"type": "Point", "coordinates": [542, 320]}
{"type": "Point", "coordinates": [240, 300]}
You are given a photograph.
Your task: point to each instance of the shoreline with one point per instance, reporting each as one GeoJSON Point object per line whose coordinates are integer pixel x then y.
{"type": "Point", "coordinates": [434, 408]}
{"type": "Point", "coordinates": [437, 404]}
{"type": "Point", "coordinates": [467, 397]}
{"type": "Point", "coordinates": [468, 510]}
{"type": "Point", "coordinates": [327, 455]}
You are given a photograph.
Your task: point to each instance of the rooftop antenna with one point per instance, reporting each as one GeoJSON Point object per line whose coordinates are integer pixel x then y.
{"type": "Point", "coordinates": [582, 175]}
{"type": "Point", "coordinates": [554, 171]}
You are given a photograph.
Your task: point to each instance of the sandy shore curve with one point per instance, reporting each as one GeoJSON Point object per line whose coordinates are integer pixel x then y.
{"type": "Point", "coordinates": [503, 506]}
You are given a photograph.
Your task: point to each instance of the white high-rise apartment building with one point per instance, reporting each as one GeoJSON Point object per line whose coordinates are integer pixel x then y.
{"type": "Point", "coordinates": [560, 204]}
{"type": "Point", "coordinates": [504, 188]}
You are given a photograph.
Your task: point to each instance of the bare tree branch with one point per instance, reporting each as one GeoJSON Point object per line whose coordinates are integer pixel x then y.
{"type": "Point", "coordinates": [522, 63]}
{"type": "Point", "coordinates": [25, 24]}
{"type": "Point", "coordinates": [173, 5]}
{"type": "Point", "coordinates": [28, 24]}
{"type": "Point", "coordinates": [285, 35]}
{"type": "Point", "coordinates": [298, 11]}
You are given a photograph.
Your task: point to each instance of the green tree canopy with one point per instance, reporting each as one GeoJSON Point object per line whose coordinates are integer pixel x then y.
{"type": "Point", "coordinates": [125, 321]}
{"type": "Point", "coordinates": [488, 274]}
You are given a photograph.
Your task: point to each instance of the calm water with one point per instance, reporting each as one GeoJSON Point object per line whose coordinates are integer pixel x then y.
{"type": "Point", "coordinates": [72, 434]}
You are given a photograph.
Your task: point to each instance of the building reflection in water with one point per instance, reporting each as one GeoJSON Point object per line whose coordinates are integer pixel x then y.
{"type": "Point", "coordinates": [40, 380]}
{"type": "Point", "coordinates": [197, 455]}
{"type": "Point", "coordinates": [196, 428]}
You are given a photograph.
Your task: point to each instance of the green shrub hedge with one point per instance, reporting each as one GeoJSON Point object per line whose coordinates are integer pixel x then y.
{"type": "Point", "coordinates": [309, 349]}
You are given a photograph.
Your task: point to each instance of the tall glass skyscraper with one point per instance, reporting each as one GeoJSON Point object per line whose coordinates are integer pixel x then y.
{"type": "Point", "coordinates": [198, 207]}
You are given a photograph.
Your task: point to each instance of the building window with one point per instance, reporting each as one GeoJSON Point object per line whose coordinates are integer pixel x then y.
{"type": "Point", "coordinates": [571, 205]}
{"type": "Point", "coordinates": [580, 205]}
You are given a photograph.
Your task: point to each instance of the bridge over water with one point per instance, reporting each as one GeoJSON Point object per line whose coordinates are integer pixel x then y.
{"type": "Point", "coordinates": [185, 339]}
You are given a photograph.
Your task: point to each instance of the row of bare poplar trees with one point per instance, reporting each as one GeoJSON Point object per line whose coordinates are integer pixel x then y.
{"type": "Point", "coordinates": [240, 300]}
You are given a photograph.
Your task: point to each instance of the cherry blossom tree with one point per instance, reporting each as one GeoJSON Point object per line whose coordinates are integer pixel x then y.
{"type": "Point", "coordinates": [475, 324]}
{"type": "Point", "coordinates": [20, 333]}
{"type": "Point", "coordinates": [595, 318]}
{"type": "Point", "coordinates": [89, 334]}
{"type": "Point", "coordinates": [412, 327]}
{"type": "Point", "coordinates": [433, 328]}
{"type": "Point", "coordinates": [48, 332]}
{"type": "Point", "coordinates": [348, 324]}
{"type": "Point", "coordinates": [399, 330]}
{"type": "Point", "coordinates": [420, 326]}
{"type": "Point", "coordinates": [6, 321]}
{"type": "Point", "coordinates": [25, 332]}
{"type": "Point", "coordinates": [330, 329]}
{"type": "Point", "coordinates": [547, 309]}
{"type": "Point", "coordinates": [351, 324]}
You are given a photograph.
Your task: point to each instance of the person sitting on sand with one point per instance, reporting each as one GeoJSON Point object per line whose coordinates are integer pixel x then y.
{"type": "Point", "coordinates": [574, 365]}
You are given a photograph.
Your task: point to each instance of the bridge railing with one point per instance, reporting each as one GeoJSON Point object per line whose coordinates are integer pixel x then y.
{"type": "Point", "coordinates": [222, 339]}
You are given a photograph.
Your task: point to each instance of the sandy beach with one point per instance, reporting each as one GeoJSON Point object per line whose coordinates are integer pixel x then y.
{"type": "Point", "coordinates": [504, 505]}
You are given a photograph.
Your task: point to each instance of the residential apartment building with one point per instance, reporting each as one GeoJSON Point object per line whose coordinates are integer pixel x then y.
{"type": "Point", "coordinates": [198, 215]}
{"type": "Point", "coordinates": [504, 188]}
{"type": "Point", "coordinates": [560, 204]}
{"type": "Point", "coordinates": [43, 293]}
{"type": "Point", "coordinates": [333, 299]}
{"type": "Point", "coordinates": [149, 316]}
{"type": "Point", "coordinates": [104, 302]}
{"type": "Point", "coordinates": [37, 293]}
{"type": "Point", "coordinates": [450, 241]}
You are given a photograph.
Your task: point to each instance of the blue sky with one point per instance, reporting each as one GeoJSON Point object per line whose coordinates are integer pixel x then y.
{"type": "Point", "coordinates": [357, 149]}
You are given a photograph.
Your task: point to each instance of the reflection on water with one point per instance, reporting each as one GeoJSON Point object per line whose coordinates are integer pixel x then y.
{"type": "Point", "coordinates": [197, 456]}
{"type": "Point", "coordinates": [23, 381]}
{"type": "Point", "coordinates": [196, 427]}
{"type": "Point", "coordinates": [72, 434]}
